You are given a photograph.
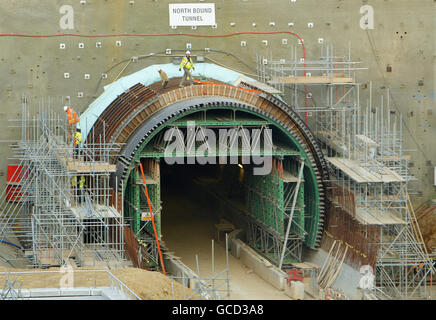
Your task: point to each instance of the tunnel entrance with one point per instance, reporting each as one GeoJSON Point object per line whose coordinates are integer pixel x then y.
{"type": "Point", "coordinates": [259, 197]}
{"type": "Point", "coordinates": [190, 214]}
{"type": "Point", "coordinates": [283, 209]}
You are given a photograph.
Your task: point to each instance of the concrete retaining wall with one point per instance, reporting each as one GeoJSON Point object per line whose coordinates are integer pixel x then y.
{"type": "Point", "coordinates": [260, 266]}
{"type": "Point", "coordinates": [177, 268]}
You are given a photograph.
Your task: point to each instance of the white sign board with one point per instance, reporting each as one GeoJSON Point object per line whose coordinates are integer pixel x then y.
{"type": "Point", "coordinates": [434, 179]}
{"type": "Point", "coordinates": [192, 14]}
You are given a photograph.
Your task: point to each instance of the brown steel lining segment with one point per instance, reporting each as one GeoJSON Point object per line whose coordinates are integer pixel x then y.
{"type": "Point", "coordinates": [132, 99]}
{"type": "Point", "coordinates": [124, 104]}
{"type": "Point", "coordinates": [363, 240]}
{"type": "Point", "coordinates": [178, 94]}
{"type": "Point", "coordinates": [118, 110]}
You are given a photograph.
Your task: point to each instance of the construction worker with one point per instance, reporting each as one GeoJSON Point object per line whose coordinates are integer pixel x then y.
{"type": "Point", "coordinates": [73, 118]}
{"type": "Point", "coordinates": [187, 65]}
{"type": "Point", "coordinates": [77, 141]}
{"type": "Point", "coordinates": [417, 269]}
{"type": "Point", "coordinates": [77, 192]}
{"type": "Point", "coordinates": [164, 78]}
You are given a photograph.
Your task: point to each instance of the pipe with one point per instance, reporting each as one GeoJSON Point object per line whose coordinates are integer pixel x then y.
{"type": "Point", "coordinates": [11, 244]}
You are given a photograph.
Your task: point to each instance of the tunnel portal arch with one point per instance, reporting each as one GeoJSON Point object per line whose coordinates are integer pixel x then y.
{"type": "Point", "coordinates": [139, 114]}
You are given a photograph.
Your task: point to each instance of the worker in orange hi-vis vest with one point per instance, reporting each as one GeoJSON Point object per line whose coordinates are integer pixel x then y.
{"type": "Point", "coordinates": [73, 118]}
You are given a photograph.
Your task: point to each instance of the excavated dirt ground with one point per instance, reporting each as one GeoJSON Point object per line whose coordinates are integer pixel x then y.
{"type": "Point", "coordinates": [146, 284]}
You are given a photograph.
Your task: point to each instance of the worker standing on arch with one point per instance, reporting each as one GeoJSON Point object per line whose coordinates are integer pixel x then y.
{"type": "Point", "coordinates": [164, 78]}
{"type": "Point", "coordinates": [187, 65]}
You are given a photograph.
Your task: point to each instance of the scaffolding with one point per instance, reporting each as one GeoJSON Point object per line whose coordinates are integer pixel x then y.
{"type": "Point", "coordinates": [57, 220]}
{"type": "Point", "coordinates": [370, 207]}
{"type": "Point", "coordinates": [275, 212]}
{"type": "Point", "coordinates": [327, 84]}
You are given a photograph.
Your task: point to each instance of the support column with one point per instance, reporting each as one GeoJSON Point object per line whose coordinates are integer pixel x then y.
{"type": "Point", "coordinates": [136, 201]}
{"type": "Point", "coordinates": [298, 221]}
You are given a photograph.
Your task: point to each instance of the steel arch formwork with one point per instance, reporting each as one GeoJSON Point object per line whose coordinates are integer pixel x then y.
{"type": "Point", "coordinates": [139, 114]}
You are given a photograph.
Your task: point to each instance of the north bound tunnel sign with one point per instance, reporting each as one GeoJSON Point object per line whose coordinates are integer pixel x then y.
{"type": "Point", "coordinates": [192, 14]}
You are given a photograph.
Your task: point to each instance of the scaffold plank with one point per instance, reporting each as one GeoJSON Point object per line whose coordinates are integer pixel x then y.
{"type": "Point", "coordinates": [367, 140]}
{"type": "Point", "coordinates": [101, 211]}
{"type": "Point", "coordinates": [360, 174]}
{"type": "Point", "coordinates": [87, 167]}
{"type": "Point", "coordinates": [375, 216]}
{"type": "Point", "coordinates": [311, 80]}
{"type": "Point", "coordinates": [148, 180]}
{"type": "Point", "coordinates": [64, 156]}
{"type": "Point", "coordinates": [289, 177]}
{"type": "Point", "coordinates": [256, 84]}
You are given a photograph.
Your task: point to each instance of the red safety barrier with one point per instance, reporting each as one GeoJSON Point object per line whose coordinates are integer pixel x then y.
{"type": "Point", "coordinates": [13, 178]}
{"type": "Point", "coordinates": [295, 275]}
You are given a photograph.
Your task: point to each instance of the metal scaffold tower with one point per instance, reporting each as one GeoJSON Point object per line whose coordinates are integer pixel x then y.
{"type": "Point", "coordinates": [275, 212]}
{"type": "Point", "coordinates": [370, 209]}
{"type": "Point", "coordinates": [62, 211]}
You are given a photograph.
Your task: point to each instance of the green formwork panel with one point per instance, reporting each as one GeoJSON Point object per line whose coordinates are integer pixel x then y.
{"type": "Point", "coordinates": [132, 197]}
{"type": "Point", "coordinates": [154, 195]}
{"type": "Point", "coordinates": [298, 226]}
{"type": "Point", "coordinates": [311, 201]}
{"type": "Point", "coordinates": [266, 200]}
{"type": "Point", "coordinates": [136, 197]}
{"type": "Point", "coordinates": [136, 201]}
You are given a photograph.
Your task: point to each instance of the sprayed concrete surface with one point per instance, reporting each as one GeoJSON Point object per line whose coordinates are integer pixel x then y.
{"type": "Point", "coordinates": [402, 38]}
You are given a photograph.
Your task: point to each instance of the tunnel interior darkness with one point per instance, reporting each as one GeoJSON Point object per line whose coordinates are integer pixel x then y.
{"type": "Point", "coordinates": [189, 211]}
